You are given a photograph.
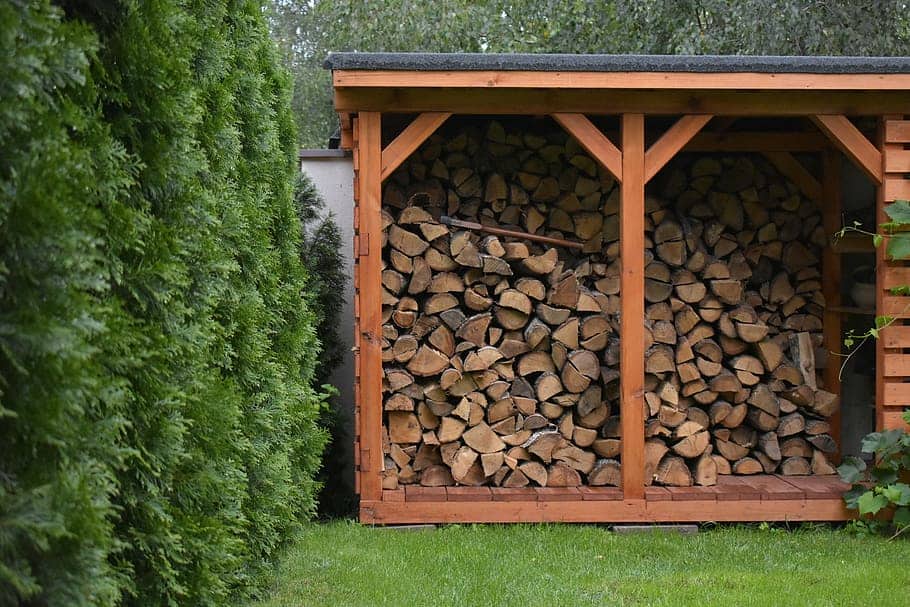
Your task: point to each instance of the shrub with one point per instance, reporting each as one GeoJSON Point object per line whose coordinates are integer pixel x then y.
{"type": "Point", "coordinates": [157, 354]}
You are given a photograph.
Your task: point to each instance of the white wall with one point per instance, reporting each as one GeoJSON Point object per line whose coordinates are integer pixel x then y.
{"type": "Point", "coordinates": [332, 172]}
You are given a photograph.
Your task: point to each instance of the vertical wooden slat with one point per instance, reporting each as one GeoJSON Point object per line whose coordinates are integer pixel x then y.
{"type": "Point", "coordinates": [881, 263]}
{"type": "Point", "coordinates": [356, 193]}
{"type": "Point", "coordinates": [831, 278]}
{"type": "Point", "coordinates": [370, 330]}
{"type": "Point", "coordinates": [632, 297]}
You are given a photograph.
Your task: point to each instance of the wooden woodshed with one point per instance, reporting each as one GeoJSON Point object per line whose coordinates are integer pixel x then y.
{"type": "Point", "coordinates": [598, 288]}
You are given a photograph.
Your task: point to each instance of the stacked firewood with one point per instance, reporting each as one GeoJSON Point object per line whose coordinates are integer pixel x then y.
{"type": "Point", "coordinates": [734, 314]}
{"type": "Point", "coordinates": [501, 352]}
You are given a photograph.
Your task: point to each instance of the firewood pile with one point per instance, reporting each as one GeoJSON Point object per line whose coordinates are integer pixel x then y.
{"type": "Point", "coordinates": [501, 348]}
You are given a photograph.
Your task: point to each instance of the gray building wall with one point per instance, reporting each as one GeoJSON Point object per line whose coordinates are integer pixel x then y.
{"type": "Point", "coordinates": [332, 172]}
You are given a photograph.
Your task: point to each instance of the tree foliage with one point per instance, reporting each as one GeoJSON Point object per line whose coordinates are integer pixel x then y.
{"type": "Point", "coordinates": [321, 253]}
{"type": "Point", "coordinates": [156, 356]}
{"type": "Point", "coordinates": [308, 29]}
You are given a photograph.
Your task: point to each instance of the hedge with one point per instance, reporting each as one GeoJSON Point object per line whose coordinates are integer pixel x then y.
{"type": "Point", "coordinates": [157, 345]}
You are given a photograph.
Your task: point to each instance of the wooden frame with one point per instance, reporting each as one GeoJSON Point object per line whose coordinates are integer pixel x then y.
{"type": "Point", "coordinates": [610, 102]}
{"type": "Point", "coordinates": [738, 81]}
{"type": "Point", "coordinates": [362, 97]}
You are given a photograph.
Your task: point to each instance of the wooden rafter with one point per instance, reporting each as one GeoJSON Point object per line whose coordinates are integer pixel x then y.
{"type": "Point", "coordinates": [853, 143]}
{"type": "Point", "coordinates": [793, 169]}
{"type": "Point", "coordinates": [410, 139]}
{"type": "Point", "coordinates": [632, 295]}
{"type": "Point", "coordinates": [671, 142]}
{"type": "Point", "coordinates": [593, 140]}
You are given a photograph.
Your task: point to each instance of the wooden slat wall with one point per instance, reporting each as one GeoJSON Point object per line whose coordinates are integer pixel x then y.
{"type": "Point", "coordinates": [893, 349]}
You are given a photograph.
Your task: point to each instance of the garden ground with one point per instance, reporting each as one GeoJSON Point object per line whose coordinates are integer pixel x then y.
{"type": "Point", "coordinates": [346, 564]}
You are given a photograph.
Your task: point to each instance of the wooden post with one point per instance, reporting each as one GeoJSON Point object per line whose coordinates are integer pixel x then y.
{"type": "Point", "coordinates": [369, 252]}
{"type": "Point", "coordinates": [831, 278]}
{"type": "Point", "coordinates": [632, 296]}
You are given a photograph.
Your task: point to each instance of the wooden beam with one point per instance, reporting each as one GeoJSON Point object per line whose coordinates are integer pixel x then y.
{"type": "Point", "coordinates": [671, 142]}
{"type": "Point", "coordinates": [896, 393]}
{"type": "Point", "coordinates": [893, 419]}
{"type": "Point", "coordinates": [608, 102]}
{"type": "Point", "coordinates": [759, 508]}
{"type": "Point", "coordinates": [345, 121]}
{"type": "Point", "coordinates": [757, 142]}
{"type": "Point", "coordinates": [897, 131]}
{"type": "Point", "coordinates": [792, 169]}
{"type": "Point", "coordinates": [410, 139]}
{"type": "Point", "coordinates": [831, 279]}
{"type": "Point", "coordinates": [369, 183]}
{"type": "Point", "coordinates": [593, 140]}
{"type": "Point", "coordinates": [493, 79]}
{"type": "Point", "coordinates": [632, 301]}
{"type": "Point", "coordinates": [853, 143]}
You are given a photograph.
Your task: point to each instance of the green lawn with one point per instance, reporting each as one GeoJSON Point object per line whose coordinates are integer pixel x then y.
{"type": "Point", "coordinates": [342, 563]}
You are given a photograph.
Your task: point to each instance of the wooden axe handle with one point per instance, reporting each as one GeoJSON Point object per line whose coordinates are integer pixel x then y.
{"type": "Point", "coordinates": [471, 225]}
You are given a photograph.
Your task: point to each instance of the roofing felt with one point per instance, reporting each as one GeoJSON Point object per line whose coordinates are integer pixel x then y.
{"type": "Point", "coordinates": [616, 63]}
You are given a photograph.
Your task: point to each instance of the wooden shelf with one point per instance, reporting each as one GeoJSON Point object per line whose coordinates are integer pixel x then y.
{"type": "Point", "coordinates": [762, 497]}
{"type": "Point", "coordinates": [851, 310]}
{"type": "Point", "coordinates": [853, 243]}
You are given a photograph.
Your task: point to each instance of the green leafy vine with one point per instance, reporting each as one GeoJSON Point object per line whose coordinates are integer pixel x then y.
{"type": "Point", "coordinates": [881, 494]}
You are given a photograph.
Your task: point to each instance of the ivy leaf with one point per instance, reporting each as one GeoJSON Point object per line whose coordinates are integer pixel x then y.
{"type": "Point", "coordinates": [876, 442]}
{"type": "Point", "coordinates": [899, 212]}
{"type": "Point", "coordinates": [901, 290]}
{"type": "Point", "coordinates": [877, 240]}
{"type": "Point", "coordinates": [871, 503]}
{"type": "Point", "coordinates": [881, 321]}
{"type": "Point", "coordinates": [901, 517]}
{"type": "Point", "coordinates": [898, 246]}
{"type": "Point", "coordinates": [851, 497]}
{"type": "Point", "coordinates": [898, 493]}
{"type": "Point", "coordinates": [884, 476]}
{"type": "Point", "coordinates": [851, 470]}
{"type": "Point", "coordinates": [848, 342]}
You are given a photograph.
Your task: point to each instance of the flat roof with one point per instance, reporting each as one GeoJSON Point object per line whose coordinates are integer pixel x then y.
{"type": "Point", "coordinates": [616, 63]}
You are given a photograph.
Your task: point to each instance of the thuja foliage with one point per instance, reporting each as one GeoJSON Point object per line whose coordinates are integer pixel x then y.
{"type": "Point", "coordinates": [320, 252]}
{"type": "Point", "coordinates": [157, 347]}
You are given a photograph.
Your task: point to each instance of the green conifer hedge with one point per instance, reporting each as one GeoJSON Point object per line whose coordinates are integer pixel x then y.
{"type": "Point", "coordinates": [158, 428]}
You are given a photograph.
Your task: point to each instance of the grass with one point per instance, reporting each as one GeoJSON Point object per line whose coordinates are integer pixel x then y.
{"type": "Point", "coordinates": [345, 564]}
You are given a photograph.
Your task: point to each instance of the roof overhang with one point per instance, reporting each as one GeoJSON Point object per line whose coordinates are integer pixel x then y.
{"type": "Point", "coordinates": [612, 84]}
